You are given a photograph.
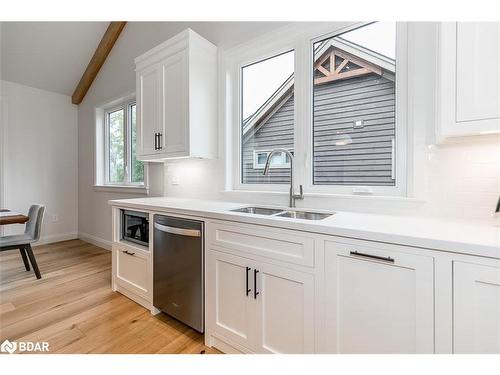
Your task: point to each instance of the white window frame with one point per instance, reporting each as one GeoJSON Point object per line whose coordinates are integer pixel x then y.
{"type": "Point", "coordinates": [257, 165]}
{"type": "Point", "coordinates": [301, 39]}
{"type": "Point", "coordinates": [102, 182]}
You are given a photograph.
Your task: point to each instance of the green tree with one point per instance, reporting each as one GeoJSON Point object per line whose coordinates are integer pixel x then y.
{"type": "Point", "coordinates": [116, 146]}
{"type": "Point", "coordinates": [137, 165]}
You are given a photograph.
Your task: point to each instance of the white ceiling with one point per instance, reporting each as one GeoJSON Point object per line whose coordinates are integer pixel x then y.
{"type": "Point", "coordinates": [53, 55]}
{"type": "Point", "coordinates": [48, 55]}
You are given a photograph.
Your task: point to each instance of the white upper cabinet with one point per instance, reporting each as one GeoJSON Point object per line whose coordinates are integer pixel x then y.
{"type": "Point", "coordinates": [176, 85]}
{"type": "Point", "coordinates": [469, 79]}
{"type": "Point", "coordinates": [476, 308]}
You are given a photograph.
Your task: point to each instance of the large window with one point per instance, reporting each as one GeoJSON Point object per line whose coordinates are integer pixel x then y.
{"type": "Point", "coordinates": [267, 120]}
{"type": "Point", "coordinates": [340, 111]}
{"type": "Point", "coordinates": [121, 164]}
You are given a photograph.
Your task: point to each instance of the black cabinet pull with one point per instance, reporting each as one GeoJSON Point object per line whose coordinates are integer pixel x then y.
{"type": "Point", "coordinates": [156, 141]}
{"type": "Point", "coordinates": [364, 255]}
{"type": "Point", "coordinates": [159, 141]}
{"type": "Point", "coordinates": [128, 252]}
{"type": "Point", "coordinates": [248, 290]}
{"type": "Point", "coordinates": [255, 293]}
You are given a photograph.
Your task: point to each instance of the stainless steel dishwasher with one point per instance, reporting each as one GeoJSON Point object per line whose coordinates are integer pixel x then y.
{"type": "Point", "coordinates": [178, 269]}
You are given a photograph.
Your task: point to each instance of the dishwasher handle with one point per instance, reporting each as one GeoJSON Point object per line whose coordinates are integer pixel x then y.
{"type": "Point", "coordinates": [179, 231]}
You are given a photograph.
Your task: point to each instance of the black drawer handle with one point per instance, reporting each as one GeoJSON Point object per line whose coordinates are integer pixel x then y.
{"type": "Point", "coordinates": [364, 255]}
{"type": "Point", "coordinates": [248, 290]}
{"type": "Point", "coordinates": [127, 252]}
{"type": "Point", "coordinates": [255, 293]}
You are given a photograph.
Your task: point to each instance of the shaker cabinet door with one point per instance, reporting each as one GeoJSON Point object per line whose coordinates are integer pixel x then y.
{"type": "Point", "coordinates": [230, 311]}
{"type": "Point", "coordinates": [174, 120]}
{"type": "Point", "coordinates": [378, 301]}
{"type": "Point", "coordinates": [476, 308]}
{"type": "Point", "coordinates": [285, 316]}
{"type": "Point", "coordinates": [148, 110]}
{"type": "Point", "coordinates": [478, 71]}
{"type": "Point", "coordinates": [469, 79]}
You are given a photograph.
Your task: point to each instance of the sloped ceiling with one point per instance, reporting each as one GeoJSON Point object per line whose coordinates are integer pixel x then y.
{"type": "Point", "coordinates": [48, 55]}
{"type": "Point", "coordinates": [53, 55]}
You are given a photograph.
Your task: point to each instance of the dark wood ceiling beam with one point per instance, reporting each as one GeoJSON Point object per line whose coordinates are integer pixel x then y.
{"type": "Point", "coordinates": [101, 53]}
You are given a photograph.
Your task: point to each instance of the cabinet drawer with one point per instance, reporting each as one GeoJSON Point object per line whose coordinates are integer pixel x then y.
{"type": "Point", "coordinates": [132, 270]}
{"type": "Point", "coordinates": [279, 244]}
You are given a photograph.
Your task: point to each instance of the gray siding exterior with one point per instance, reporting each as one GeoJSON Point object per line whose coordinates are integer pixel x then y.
{"type": "Point", "coordinates": [276, 132]}
{"type": "Point", "coordinates": [337, 104]}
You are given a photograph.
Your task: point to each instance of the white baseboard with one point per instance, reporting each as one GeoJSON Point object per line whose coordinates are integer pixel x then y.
{"type": "Point", "coordinates": [101, 242]}
{"type": "Point", "coordinates": [51, 238]}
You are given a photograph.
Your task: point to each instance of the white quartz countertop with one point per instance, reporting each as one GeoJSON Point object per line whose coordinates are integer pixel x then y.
{"type": "Point", "coordinates": [438, 234]}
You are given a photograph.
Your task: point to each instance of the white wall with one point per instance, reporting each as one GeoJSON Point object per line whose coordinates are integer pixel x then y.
{"type": "Point", "coordinates": [40, 158]}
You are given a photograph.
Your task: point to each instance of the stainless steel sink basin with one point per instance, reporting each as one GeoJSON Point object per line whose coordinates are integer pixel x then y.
{"type": "Point", "coordinates": [294, 214]}
{"type": "Point", "coordinates": [306, 215]}
{"type": "Point", "coordinates": [258, 210]}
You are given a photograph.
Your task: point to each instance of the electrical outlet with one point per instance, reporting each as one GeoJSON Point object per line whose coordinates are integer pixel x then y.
{"type": "Point", "coordinates": [55, 218]}
{"type": "Point", "coordinates": [175, 179]}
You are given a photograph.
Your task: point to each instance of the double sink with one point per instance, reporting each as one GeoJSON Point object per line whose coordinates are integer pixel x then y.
{"type": "Point", "coordinates": [278, 212]}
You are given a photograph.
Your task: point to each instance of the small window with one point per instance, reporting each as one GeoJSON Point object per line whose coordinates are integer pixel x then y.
{"type": "Point", "coordinates": [354, 107]}
{"type": "Point", "coordinates": [121, 164]}
{"type": "Point", "coordinates": [267, 118]}
{"type": "Point", "coordinates": [278, 160]}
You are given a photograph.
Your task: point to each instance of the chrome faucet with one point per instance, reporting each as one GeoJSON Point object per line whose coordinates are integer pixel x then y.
{"type": "Point", "coordinates": [293, 196]}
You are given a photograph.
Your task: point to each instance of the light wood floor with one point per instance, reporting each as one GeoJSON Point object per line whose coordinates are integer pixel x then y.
{"type": "Point", "coordinates": [74, 309]}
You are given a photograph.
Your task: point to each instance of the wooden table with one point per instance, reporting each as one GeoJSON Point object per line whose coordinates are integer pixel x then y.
{"type": "Point", "coordinates": [15, 219]}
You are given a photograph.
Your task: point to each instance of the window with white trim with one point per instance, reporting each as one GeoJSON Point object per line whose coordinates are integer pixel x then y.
{"type": "Point", "coordinates": [278, 160]}
{"type": "Point", "coordinates": [116, 142]}
{"type": "Point", "coordinates": [341, 106]}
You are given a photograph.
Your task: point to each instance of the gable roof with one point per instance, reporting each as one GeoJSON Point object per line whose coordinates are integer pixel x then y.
{"type": "Point", "coordinates": [367, 60]}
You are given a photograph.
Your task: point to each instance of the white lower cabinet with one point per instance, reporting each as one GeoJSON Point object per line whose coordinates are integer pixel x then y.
{"type": "Point", "coordinates": [258, 307]}
{"type": "Point", "coordinates": [274, 290]}
{"type": "Point", "coordinates": [132, 273]}
{"type": "Point", "coordinates": [476, 308]}
{"type": "Point", "coordinates": [377, 300]}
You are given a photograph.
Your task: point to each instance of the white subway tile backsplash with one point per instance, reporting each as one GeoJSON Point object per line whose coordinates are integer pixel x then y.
{"type": "Point", "coordinates": [463, 179]}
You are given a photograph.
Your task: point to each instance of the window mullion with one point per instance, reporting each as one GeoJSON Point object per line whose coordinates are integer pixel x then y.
{"type": "Point", "coordinates": [126, 140]}
{"type": "Point", "coordinates": [301, 123]}
{"type": "Point", "coordinates": [106, 147]}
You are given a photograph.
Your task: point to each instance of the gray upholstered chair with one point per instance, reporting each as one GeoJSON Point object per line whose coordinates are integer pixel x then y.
{"type": "Point", "coordinates": [23, 241]}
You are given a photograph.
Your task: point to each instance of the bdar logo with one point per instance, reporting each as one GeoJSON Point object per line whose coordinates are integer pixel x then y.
{"type": "Point", "coordinates": [8, 347]}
